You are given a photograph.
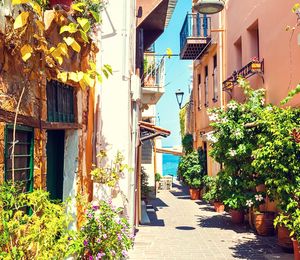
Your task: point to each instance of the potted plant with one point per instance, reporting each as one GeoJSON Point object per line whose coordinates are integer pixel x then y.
{"type": "Point", "coordinates": [192, 172]}
{"type": "Point", "coordinates": [213, 193]}
{"type": "Point", "coordinates": [236, 204]}
{"type": "Point", "coordinates": [105, 232]}
{"type": "Point", "coordinates": [194, 189]}
{"type": "Point", "coordinates": [260, 219]}
{"type": "Point", "coordinates": [255, 65]}
{"type": "Point", "coordinates": [157, 180]}
{"type": "Point", "coordinates": [284, 225]}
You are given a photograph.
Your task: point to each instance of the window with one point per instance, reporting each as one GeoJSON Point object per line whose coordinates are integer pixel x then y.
{"type": "Point", "coordinates": [238, 54]}
{"type": "Point", "coordinates": [254, 40]}
{"type": "Point", "coordinates": [60, 102]}
{"type": "Point", "coordinates": [215, 79]}
{"type": "Point", "coordinates": [199, 92]}
{"type": "Point", "coordinates": [206, 86]}
{"type": "Point", "coordinates": [147, 148]}
{"type": "Point", "coordinates": [23, 156]}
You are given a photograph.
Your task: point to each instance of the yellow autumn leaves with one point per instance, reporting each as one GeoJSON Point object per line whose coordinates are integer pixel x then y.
{"type": "Point", "coordinates": [21, 20]}
{"type": "Point", "coordinates": [54, 56]}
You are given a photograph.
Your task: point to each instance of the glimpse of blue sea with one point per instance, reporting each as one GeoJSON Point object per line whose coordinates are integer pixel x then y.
{"type": "Point", "coordinates": [170, 164]}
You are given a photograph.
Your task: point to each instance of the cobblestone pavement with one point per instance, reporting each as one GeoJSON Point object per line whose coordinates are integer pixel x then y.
{"type": "Point", "coordinates": [182, 229]}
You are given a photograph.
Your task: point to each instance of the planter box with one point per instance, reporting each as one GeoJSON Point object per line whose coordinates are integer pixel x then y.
{"type": "Point", "coordinates": [264, 223]}
{"type": "Point", "coordinates": [195, 194]}
{"type": "Point", "coordinates": [296, 246]}
{"type": "Point", "coordinates": [256, 67]}
{"type": "Point", "coordinates": [65, 4]}
{"type": "Point", "coordinates": [283, 238]}
{"type": "Point", "coordinates": [237, 217]}
{"type": "Point", "coordinates": [219, 207]}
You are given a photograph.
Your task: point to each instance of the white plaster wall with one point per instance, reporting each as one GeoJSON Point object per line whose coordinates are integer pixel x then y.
{"type": "Point", "coordinates": [150, 112]}
{"type": "Point", "coordinates": [159, 156]}
{"type": "Point", "coordinates": [115, 122]}
{"type": "Point", "coordinates": [70, 171]}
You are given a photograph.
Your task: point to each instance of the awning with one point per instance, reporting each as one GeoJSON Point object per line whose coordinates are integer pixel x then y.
{"type": "Point", "coordinates": [150, 131]}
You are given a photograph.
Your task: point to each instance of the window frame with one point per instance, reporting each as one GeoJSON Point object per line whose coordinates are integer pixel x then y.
{"type": "Point", "coordinates": [215, 79]}
{"type": "Point", "coordinates": [206, 103]}
{"type": "Point", "coordinates": [59, 96]}
{"type": "Point", "coordinates": [199, 79]}
{"type": "Point", "coordinates": [30, 185]}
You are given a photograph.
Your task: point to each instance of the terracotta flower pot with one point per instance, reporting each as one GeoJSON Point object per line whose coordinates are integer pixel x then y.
{"type": "Point", "coordinates": [237, 216]}
{"type": "Point", "coordinates": [263, 222]}
{"type": "Point", "coordinates": [296, 246]}
{"type": "Point", "coordinates": [219, 207]}
{"type": "Point", "coordinates": [195, 194]}
{"type": "Point", "coordinates": [261, 188]}
{"type": "Point", "coordinates": [283, 238]}
{"type": "Point", "coordinates": [64, 3]}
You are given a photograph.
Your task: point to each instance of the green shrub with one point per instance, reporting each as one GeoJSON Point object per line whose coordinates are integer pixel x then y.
{"type": "Point", "coordinates": [157, 177]}
{"type": "Point", "coordinates": [145, 189]}
{"type": "Point", "coordinates": [190, 169]}
{"type": "Point", "coordinates": [187, 143]}
{"type": "Point", "coordinates": [34, 227]}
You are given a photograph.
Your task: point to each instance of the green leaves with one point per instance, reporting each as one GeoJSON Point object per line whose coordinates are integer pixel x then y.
{"type": "Point", "coordinates": [291, 94]}
{"type": "Point", "coordinates": [43, 234]}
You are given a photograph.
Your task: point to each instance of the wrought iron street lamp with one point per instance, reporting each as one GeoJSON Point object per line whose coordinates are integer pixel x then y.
{"type": "Point", "coordinates": [179, 96]}
{"type": "Point", "coordinates": [209, 6]}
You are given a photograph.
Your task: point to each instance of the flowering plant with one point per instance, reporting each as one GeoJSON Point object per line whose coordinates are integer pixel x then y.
{"type": "Point", "coordinates": [105, 234]}
{"type": "Point", "coordinates": [233, 141]}
{"type": "Point", "coordinates": [109, 173]}
{"type": "Point", "coordinates": [255, 200]}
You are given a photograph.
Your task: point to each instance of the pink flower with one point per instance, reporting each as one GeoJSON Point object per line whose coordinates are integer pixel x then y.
{"type": "Point", "coordinates": [104, 236]}
{"type": "Point", "coordinates": [85, 242]}
{"type": "Point", "coordinates": [124, 253]}
{"type": "Point", "coordinates": [99, 255]}
{"type": "Point", "coordinates": [119, 237]}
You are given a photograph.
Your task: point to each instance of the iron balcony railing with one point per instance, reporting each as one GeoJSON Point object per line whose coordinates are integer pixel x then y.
{"type": "Point", "coordinates": [195, 26]}
{"type": "Point", "coordinates": [154, 75]}
{"type": "Point", "coordinates": [253, 67]}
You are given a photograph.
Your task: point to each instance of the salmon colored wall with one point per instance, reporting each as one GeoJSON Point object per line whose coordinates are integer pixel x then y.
{"type": "Point", "coordinates": [200, 110]}
{"type": "Point", "coordinates": [275, 44]}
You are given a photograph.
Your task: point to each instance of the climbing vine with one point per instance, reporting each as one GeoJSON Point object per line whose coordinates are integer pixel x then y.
{"type": "Point", "coordinates": [27, 36]}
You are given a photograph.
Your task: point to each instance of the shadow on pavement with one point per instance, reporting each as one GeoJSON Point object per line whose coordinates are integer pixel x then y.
{"type": "Point", "coordinates": [222, 222]}
{"type": "Point", "coordinates": [205, 206]}
{"type": "Point", "coordinates": [158, 203]}
{"type": "Point", "coordinates": [185, 228]}
{"type": "Point", "coordinates": [185, 197]}
{"type": "Point", "coordinates": [258, 249]}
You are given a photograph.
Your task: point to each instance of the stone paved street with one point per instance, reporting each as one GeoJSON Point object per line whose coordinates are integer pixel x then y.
{"type": "Point", "coordinates": [184, 229]}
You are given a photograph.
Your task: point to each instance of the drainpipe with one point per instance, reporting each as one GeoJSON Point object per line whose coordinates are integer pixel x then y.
{"type": "Point", "coordinates": [221, 51]}
{"type": "Point", "coordinates": [134, 127]}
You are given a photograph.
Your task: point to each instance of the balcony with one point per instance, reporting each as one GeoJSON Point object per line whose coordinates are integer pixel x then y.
{"type": "Point", "coordinates": [194, 36]}
{"type": "Point", "coordinates": [153, 80]}
{"type": "Point", "coordinates": [253, 67]}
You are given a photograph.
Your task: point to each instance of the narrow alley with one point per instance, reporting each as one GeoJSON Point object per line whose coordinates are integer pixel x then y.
{"type": "Point", "coordinates": [184, 229]}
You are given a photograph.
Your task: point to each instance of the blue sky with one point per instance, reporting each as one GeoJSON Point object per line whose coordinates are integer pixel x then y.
{"type": "Point", "coordinates": [178, 75]}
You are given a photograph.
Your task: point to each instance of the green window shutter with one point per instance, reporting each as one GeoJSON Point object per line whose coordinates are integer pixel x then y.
{"type": "Point", "coordinates": [60, 102]}
{"type": "Point", "coordinates": [24, 148]}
